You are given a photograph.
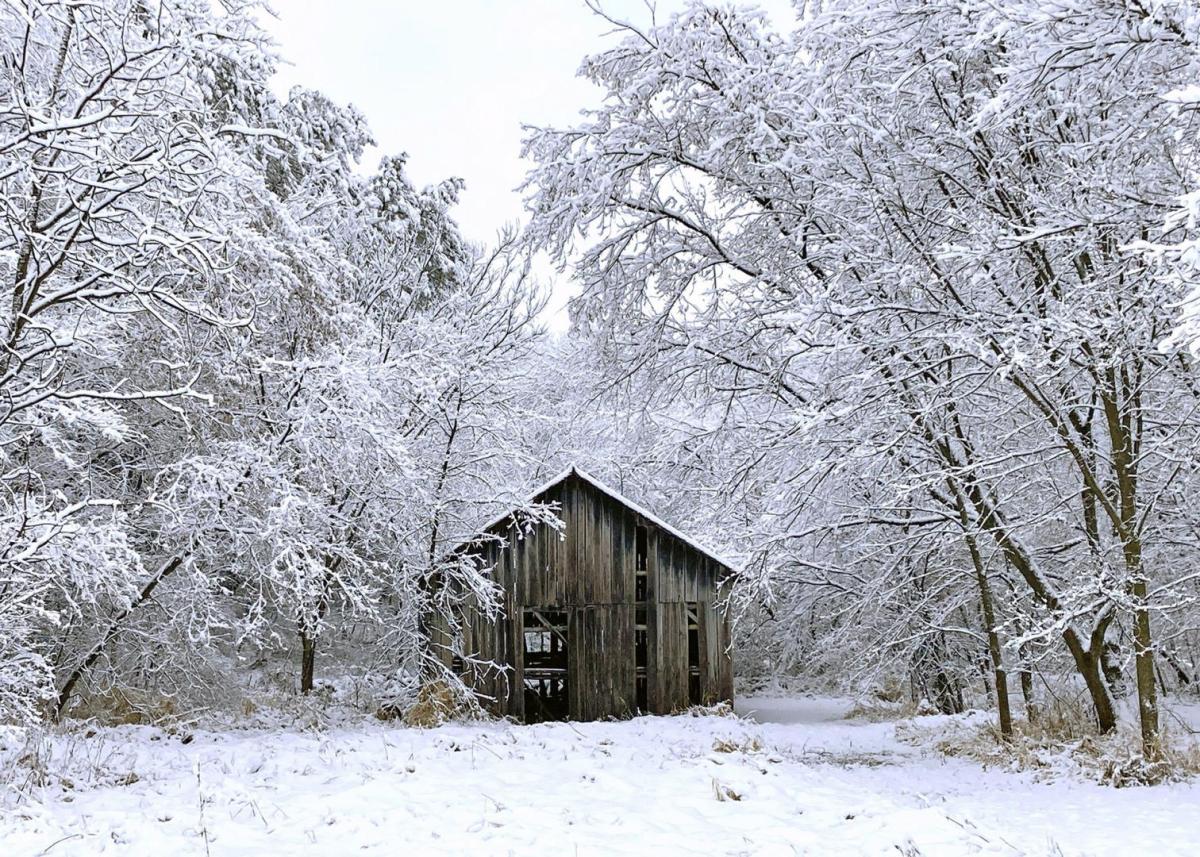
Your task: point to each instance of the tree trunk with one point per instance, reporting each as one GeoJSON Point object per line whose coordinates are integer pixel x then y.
{"type": "Point", "coordinates": [1121, 432]}
{"type": "Point", "coordinates": [1088, 663]}
{"type": "Point", "coordinates": [947, 690]}
{"type": "Point", "coordinates": [990, 520]}
{"type": "Point", "coordinates": [308, 655]}
{"type": "Point", "coordinates": [1183, 676]}
{"type": "Point", "coordinates": [1110, 662]}
{"type": "Point", "coordinates": [988, 609]}
{"type": "Point", "coordinates": [309, 633]}
{"type": "Point", "coordinates": [1031, 706]}
{"type": "Point", "coordinates": [1146, 684]}
{"type": "Point", "coordinates": [427, 657]}
{"type": "Point", "coordinates": [64, 696]}
{"type": "Point", "coordinates": [1087, 659]}
{"type": "Point", "coordinates": [986, 676]}
{"type": "Point", "coordinates": [944, 690]}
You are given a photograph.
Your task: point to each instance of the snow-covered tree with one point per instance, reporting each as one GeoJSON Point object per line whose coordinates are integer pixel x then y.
{"type": "Point", "coordinates": [895, 245]}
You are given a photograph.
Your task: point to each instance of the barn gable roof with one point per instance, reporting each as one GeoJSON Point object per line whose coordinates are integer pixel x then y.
{"type": "Point", "coordinates": [623, 500]}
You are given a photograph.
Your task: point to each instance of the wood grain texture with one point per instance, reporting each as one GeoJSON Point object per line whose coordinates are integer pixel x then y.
{"type": "Point", "coordinates": [588, 570]}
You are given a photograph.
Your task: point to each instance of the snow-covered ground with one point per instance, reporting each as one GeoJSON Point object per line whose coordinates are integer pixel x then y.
{"type": "Point", "coordinates": [802, 780]}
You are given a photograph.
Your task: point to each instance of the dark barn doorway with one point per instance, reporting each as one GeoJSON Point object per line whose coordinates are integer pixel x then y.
{"type": "Point", "coordinates": [545, 642]}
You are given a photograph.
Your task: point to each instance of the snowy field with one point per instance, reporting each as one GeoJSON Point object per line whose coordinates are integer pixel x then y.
{"type": "Point", "coordinates": [802, 780]}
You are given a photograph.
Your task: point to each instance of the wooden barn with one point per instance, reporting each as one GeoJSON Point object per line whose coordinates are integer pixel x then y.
{"type": "Point", "coordinates": [614, 614]}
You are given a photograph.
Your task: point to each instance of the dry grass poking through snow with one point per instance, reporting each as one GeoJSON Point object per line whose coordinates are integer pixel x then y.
{"type": "Point", "coordinates": [437, 702]}
{"type": "Point", "coordinates": [751, 744]}
{"type": "Point", "coordinates": [882, 711]}
{"type": "Point", "coordinates": [798, 782]}
{"type": "Point", "coordinates": [1062, 741]}
{"type": "Point", "coordinates": [122, 706]}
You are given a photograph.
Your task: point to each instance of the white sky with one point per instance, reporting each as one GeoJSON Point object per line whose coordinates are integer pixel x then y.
{"type": "Point", "coordinates": [451, 81]}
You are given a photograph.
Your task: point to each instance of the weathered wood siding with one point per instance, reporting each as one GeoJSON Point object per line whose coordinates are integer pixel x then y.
{"type": "Point", "coordinates": [588, 570]}
{"type": "Point", "coordinates": [601, 652]}
{"type": "Point", "coordinates": [670, 650]}
{"type": "Point", "coordinates": [716, 660]}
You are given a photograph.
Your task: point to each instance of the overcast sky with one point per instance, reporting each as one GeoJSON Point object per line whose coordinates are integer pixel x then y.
{"type": "Point", "coordinates": [451, 81]}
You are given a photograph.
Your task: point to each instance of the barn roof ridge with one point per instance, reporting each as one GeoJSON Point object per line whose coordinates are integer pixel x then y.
{"type": "Point", "coordinates": [601, 486]}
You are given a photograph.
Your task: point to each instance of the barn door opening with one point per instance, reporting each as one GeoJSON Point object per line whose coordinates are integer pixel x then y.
{"type": "Point", "coordinates": [545, 642]}
{"type": "Point", "coordinates": [694, 643]}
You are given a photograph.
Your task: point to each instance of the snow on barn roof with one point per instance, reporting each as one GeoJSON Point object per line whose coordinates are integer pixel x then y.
{"type": "Point", "coordinates": [622, 499]}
